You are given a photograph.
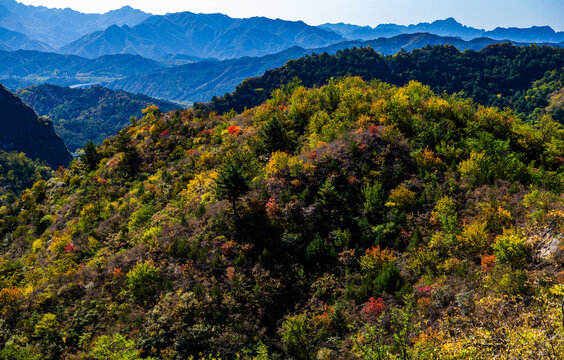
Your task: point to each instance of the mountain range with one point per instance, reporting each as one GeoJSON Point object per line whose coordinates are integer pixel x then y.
{"type": "Point", "coordinates": [22, 131]}
{"type": "Point", "coordinates": [195, 81]}
{"type": "Point", "coordinates": [14, 40]}
{"type": "Point", "coordinates": [130, 31]}
{"type": "Point", "coordinates": [447, 27]}
{"type": "Point", "coordinates": [203, 80]}
{"type": "Point", "coordinates": [57, 27]}
{"type": "Point", "coordinates": [21, 68]}
{"type": "Point", "coordinates": [201, 35]}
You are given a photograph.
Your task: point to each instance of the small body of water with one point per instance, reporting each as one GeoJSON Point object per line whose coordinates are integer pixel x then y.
{"type": "Point", "coordinates": [80, 86]}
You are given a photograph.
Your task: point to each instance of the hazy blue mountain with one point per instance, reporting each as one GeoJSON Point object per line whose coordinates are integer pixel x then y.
{"type": "Point", "coordinates": [203, 36]}
{"type": "Point", "coordinates": [186, 83]}
{"type": "Point", "coordinates": [4, 47]}
{"type": "Point", "coordinates": [87, 114]}
{"type": "Point", "coordinates": [21, 68]}
{"type": "Point", "coordinates": [447, 27]}
{"type": "Point", "coordinates": [22, 131]}
{"type": "Point", "coordinates": [13, 40]}
{"type": "Point", "coordinates": [202, 80]}
{"type": "Point", "coordinates": [57, 27]}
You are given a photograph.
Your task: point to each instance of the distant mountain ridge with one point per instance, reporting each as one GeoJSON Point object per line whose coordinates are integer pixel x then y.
{"type": "Point", "coordinates": [447, 27]}
{"type": "Point", "coordinates": [201, 35]}
{"type": "Point", "coordinates": [19, 69]}
{"type": "Point", "coordinates": [22, 131]}
{"type": "Point", "coordinates": [15, 40]}
{"type": "Point", "coordinates": [201, 81]}
{"type": "Point", "coordinates": [58, 27]}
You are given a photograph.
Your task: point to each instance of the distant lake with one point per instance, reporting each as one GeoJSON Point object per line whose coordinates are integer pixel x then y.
{"type": "Point", "coordinates": [79, 86]}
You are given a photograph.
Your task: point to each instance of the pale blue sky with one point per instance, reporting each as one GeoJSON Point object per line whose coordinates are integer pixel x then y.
{"type": "Point", "coordinates": [486, 14]}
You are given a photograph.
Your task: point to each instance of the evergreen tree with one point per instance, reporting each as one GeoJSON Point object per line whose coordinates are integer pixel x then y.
{"type": "Point", "coordinates": [90, 158]}
{"type": "Point", "coordinates": [273, 137]}
{"type": "Point", "coordinates": [231, 184]}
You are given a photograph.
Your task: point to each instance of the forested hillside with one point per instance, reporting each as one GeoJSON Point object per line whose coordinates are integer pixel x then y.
{"type": "Point", "coordinates": [89, 114]}
{"type": "Point", "coordinates": [18, 173]}
{"type": "Point", "coordinates": [356, 220]}
{"type": "Point", "coordinates": [498, 75]}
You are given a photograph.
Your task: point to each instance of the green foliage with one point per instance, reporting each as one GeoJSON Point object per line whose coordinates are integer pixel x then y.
{"type": "Point", "coordinates": [17, 172]}
{"type": "Point", "coordinates": [143, 280]}
{"type": "Point", "coordinates": [445, 214]}
{"type": "Point", "coordinates": [115, 347]}
{"type": "Point", "coordinates": [295, 335]}
{"type": "Point", "coordinates": [89, 114]}
{"type": "Point", "coordinates": [230, 184]}
{"type": "Point", "coordinates": [273, 137]}
{"type": "Point", "coordinates": [90, 158]}
{"type": "Point", "coordinates": [382, 192]}
{"type": "Point", "coordinates": [511, 248]}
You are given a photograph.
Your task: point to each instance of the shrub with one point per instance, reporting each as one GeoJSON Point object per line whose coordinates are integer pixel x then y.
{"type": "Point", "coordinates": [116, 347]}
{"type": "Point", "coordinates": [474, 238]}
{"type": "Point", "coordinates": [143, 280]}
{"type": "Point", "coordinates": [401, 198]}
{"type": "Point", "coordinates": [445, 214]}
{"type": "Point", "coordinates": [511, 248]}
{"type": "Point", "coordinates": [295, 337]}
{"type": "Point", "coordinates": [375, 259]}
{"type": "Point", "coordinates": [373, 197]}
{"type": "Point", "coordinates": [373, 308]}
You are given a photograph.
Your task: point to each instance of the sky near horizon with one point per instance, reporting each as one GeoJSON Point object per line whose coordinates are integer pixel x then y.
{"type": "Point", "coordinates": [485, 14]}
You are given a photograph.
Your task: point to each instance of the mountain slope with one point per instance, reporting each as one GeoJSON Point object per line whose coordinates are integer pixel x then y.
{"type": "Point", "coordinates": [201, 35]}
{"type": "Point", "coordinates": [18, 173]}
{"type": "Point", "coordinates": [90, 114]}
{"type": "Point", "coordinates": [17, 41]}
{"type": "Point", "coordinates": [352, 221]}
{"type": "Point", "coordinates": [447, 27]}
{"type": "Point", "coordinates": [490, 76]}
{"type": "Point", "coordinates": [20, 69]}
{"type": "Point", "coordinates": [22, 131]}
{"type": "Point", "coordinates": [201, 81]}
{"type": "Point", "coordinates": [57, 27]}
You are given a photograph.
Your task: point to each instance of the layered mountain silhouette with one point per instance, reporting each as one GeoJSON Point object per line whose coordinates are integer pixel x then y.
{"type": "Point", "coordinates": [22, 131]}
{"type": "Point", "coordinates": [15, 40]}
{"type": "Point", "coordinates": [58, 27]}
{"type": "Point", "coordinates": [21, 68]}
{"type": "Point", "coordinates": [447, 27]}
{"type": "Point", "coordinates": [203, 80]}
{"type": "Point", "coordinates": [202, 35]}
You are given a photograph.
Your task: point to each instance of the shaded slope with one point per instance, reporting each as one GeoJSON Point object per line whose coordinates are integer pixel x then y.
{"type": "Point", "coordinates": [18, 41]}
{"type": "Point", "coordinates": [21, 130]}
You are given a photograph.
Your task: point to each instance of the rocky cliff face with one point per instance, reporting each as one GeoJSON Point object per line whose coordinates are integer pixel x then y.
{"type": "Point", "coordinates": [21, 130]}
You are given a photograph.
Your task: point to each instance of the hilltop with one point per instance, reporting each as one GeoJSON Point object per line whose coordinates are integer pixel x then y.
{"type": "Point", "coordinates": [497, 75]}
{"type": "Point", "coordinates": [355, 219]}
